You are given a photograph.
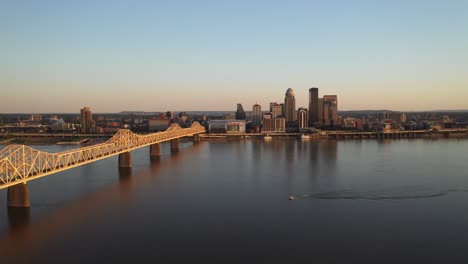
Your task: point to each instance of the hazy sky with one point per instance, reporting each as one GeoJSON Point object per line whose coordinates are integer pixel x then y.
{"type": "Point", "coordinates": [58, 56]}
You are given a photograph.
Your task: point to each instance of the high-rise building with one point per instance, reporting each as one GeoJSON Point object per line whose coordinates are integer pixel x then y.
{"type": "Point", "coordinates": [240, 113]}
{"type": "Point", "coordinates": [289, 109]}
{"type": "Point", "coordinates": [403, 118]}
{"type": "Point", "coordinates": [302, 117]}
{"type": "Point", "coordinates": [88, 125]}
{"type": "Point", "coordinates": [313, 106]}
{"type": "Point", "coordinates": [320, 112]}
{"type": "Point", "coordinates": [169, 114]}
{"type": "Point", "coordinates": [271, 106]}
{"type": "Point", "coordinates": [256, 115]}
{"type": "Point", "coordinates": [274, 124]}
{"type": "Point", "coordinates": [276, 110]}
{"type": "Point", "coordinates": [330, 111]}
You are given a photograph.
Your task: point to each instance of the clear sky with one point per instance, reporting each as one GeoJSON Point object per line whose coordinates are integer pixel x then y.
{"type": "Point", "coordinates": [58, 56]}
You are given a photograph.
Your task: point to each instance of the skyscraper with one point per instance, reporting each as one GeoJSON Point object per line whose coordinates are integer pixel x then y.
{"type": "Point", "coordinates": [320, 112]}
{"type": "Point", "coordinates": [289, 109]}
{"type": "Point", "coordinates": [240, 113]}
{"type": "Point", "coordinates": [302, 117]}
{"type": "Point", "coordinates": [313, 106]}
{"type": "Point", "coordinates": [256, 115]}
{"type": "Point", "coordinates": [88, 125]}
{"type": "Point", "coordinates": [330, 111]}
{"type": "Point", "coordinates": [276, 110]}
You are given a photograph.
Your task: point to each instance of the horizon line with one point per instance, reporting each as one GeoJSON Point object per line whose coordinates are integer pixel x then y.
{"type": "Point", "coordinates": [133, 111]}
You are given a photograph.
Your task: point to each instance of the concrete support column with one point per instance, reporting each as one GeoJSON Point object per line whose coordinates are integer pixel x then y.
{"type": "Point", "coordinates": [196, 138]}
{"type": "Point", "coordinates": [155, 150]}
{"type": "Point", "coordinates": [175, 145]}
{"type": "Point", "coordinates": [125, 160]}
{"type": "Point", "coordinates": [18, 195]}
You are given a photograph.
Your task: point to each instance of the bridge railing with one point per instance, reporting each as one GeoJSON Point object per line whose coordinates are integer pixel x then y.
{"type": "Point", "coordinates": [18, 163]}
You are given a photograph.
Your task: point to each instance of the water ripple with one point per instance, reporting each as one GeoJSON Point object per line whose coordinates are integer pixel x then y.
{"type": "Point", "coordinates": [378, 195]}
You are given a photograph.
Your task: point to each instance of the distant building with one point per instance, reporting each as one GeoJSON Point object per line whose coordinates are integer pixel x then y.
{"type": "Point", "coordinates": [228, 116]}
{"type": "Point", "coordinates": [330, 111]}
{"type": "Point", "coordinates": [385, 116]}
{"type": "Point", "coordinates": [276, 110]}
{"type": "Point", "coordinates": [289, 110]}
{"type": "Point", "coordinates": [88, 125]}
{"type": "Point", "coordinates": [403, 118]}
{"type": "Point", "coordinates": [36, 118]}
{"type": "Point", "coordinates": [226, 126]}
{"type": "Point", "coordinates": [256, 115]}
{"type": "Point", "coordinates": [274, 124]}
{"type": "Point", "coordinates": [302, 118]}
{"type": "Point", "coordinates": [158, 124]}
{"type": "Point", "coordinates": [183, 116]}
{"type": "Point", "coordinates": [313, 106]}
{"type": "Point", "coordinates": [271, 106]}
{"type": "Point", "coordinates": [58, 126]}
{"type": "Point", "coordinates": [169, 114]}
{"type": "Point", "coordinates": [320, 112]}
{"type": "Point", "coordinates": [240, 113]}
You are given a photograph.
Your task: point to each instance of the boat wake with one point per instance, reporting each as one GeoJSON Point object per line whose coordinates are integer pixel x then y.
{"type": "Point", "coordinates": [377, 195]}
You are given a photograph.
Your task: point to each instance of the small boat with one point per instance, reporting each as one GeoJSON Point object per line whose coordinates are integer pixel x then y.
{"type": "Point", "coordinates": [267, 138]}
{"type": "Point", "coordinates": [291, 198]}
{"type": "Point", "coordinates": [305, 137]}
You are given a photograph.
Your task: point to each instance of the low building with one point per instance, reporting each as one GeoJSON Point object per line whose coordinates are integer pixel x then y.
{"type": "Point", "coordinates": [274, 124]}
{"type": "Point", "coordinates": [158, 124]}
{"type": "Point", "coordinates": [226, 126]}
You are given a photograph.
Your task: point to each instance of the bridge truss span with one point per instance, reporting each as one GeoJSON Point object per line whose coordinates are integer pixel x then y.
{"type": "Point", "coordinates": [20, 163]}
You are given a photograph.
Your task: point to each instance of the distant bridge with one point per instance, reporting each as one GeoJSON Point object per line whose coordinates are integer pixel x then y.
{"type": "Point", "coordinates": [20, 164]}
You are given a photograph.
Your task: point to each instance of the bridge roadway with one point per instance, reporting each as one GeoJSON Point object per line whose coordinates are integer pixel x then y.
{"type": "Point", "coordinates": [20, 164]}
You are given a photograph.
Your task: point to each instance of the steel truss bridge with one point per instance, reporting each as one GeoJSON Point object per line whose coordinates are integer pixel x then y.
{"type": "Point", "coordinates": [20, 163]}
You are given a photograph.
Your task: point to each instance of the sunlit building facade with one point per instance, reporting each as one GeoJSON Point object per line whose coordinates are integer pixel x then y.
{"type": "Point", "coordinates": [330, 111]}
{"type": "Point", "coordinates": [88, 125]}
{"type": "Point", "coordinates": [256, 115]}
{"type": "Point", "coordinates": [302, 118]}
{"type": "Point", "coordinates": [289, 110]}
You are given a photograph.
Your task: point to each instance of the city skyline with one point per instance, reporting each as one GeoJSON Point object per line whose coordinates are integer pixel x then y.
{"type": "Point", "coordinates": [209, 56]}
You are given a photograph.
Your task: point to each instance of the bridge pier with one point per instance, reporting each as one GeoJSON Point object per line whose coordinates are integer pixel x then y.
{"type": "Point", "coordinates": [18, 195]}
{"type": "Point", "coordinates": [175, 145]}
{"type": "Point", "coordinates": [196, 138]}
{"type": "Point", "coordinates": [155, 151]}
{"type": "Point", "coordinates": [125, 160]}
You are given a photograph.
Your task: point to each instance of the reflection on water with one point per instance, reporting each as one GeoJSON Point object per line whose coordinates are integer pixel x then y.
{"type": "Point", "coordinates": [18, 217]}
{"type": "Point", "coordinates": [379, 195]}
{"type": "Point", "coordinates": [230, 199]}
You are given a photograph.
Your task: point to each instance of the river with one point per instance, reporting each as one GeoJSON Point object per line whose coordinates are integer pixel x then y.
{"type": "Point", "coordinates": [250, 201]}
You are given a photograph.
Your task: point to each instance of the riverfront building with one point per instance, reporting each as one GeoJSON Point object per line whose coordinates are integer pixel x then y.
{"type": "Point", "coordinates": [274, 124]}
{"type": "Point", "coordinates": [226, 126]}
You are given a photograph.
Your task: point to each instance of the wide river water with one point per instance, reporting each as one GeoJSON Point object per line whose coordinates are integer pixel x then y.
{"type": "Point", "coordinates": [249, 201]}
